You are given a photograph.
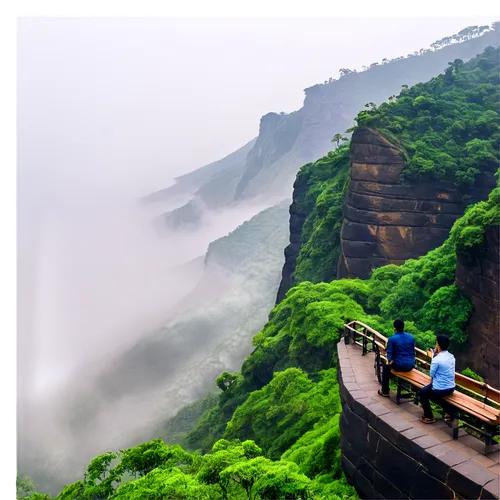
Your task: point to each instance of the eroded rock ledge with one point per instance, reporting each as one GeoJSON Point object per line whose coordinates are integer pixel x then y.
{"type": "Point", "coordinates": [386, 221]}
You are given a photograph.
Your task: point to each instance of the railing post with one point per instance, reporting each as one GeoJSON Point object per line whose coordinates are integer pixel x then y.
{"type": "Point", "coordinates": [347, 336]}
{"type": "Point", "coordinates": [365, 342]}
{"type": "Point", "coordinates": [377, 362]}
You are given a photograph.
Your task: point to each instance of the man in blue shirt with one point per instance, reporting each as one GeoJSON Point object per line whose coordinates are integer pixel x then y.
{"type": "Point", "coordinates": [400, 355]}
{"type": "Point", "coordinates": [442, 382]}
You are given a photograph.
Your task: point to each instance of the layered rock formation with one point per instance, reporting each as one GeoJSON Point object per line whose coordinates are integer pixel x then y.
{"type": "Point", "coordinates": [387, 221]}
{"type": "Point", "coordinates": [478, 277]}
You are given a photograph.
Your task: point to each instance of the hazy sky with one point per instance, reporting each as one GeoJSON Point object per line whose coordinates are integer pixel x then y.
{"type": "Point", "coordinates": [126, 103]}
{"type": "Point", "coordinates": [112, 109]}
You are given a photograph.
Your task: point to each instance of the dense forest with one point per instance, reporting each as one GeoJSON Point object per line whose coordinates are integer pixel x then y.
{"type": "Point", "coordinates": [273, 431]}
{"type": "Point", "coordinates": [447, 127]}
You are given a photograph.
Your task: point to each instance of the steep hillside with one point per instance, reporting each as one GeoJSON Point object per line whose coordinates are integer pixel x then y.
{"type": "Point", "coordinates": [144, 385]}
{"type": "Point", "coordinates": [315, 221]}
{"type": "Point", "coordinates": [332, 107]}
{"type": "Point", "coordinates": [286, 141]}
{"type": "Point", "coordinates": [216, 322]}
{"type": "Point", "coordinates": [416, 162]}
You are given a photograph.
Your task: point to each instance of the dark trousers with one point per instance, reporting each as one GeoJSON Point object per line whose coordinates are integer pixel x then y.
{"type": "Point", "coordinates": [428, 394]}
{"type": "Point", "coordinates": [386, 374]}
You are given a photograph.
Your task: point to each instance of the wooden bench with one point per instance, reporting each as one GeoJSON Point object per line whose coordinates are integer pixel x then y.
{"type": "Point", "coordinates": [482, 402]}
{"type": "Point", "coordinates": [478, 403]}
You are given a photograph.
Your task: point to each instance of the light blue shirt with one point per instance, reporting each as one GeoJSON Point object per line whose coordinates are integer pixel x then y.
{"type": "Point", "coordinates": [443, 371]}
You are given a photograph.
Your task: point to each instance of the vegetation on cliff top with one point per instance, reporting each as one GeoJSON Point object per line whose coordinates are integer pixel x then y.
{"type": "Point", "coordinates": [447, 127]}
{"type": "Point", "coordinates": [463, 35]}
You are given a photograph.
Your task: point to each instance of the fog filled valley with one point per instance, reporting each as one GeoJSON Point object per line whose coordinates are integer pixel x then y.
{"type": "Point", "coordinates": [161, 213]}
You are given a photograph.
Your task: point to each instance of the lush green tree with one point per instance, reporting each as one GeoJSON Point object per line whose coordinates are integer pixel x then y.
{"type": "Point", "coordinates": [173, 484]}
{"type": "Point", "coordinates": [213, 464]}
{"type": "Point", "coordinates": [282, 480]}
{"type": "Point", "coordinates": [447, 128]}
{"type": "Point", "coordinates": [471, 374]}
{"type": "Point", "coordinates": [337, 138]}
{"type": "Point", "coordinates": [24, 486]}
{"type": "Point", "coordinates": [345, 71]}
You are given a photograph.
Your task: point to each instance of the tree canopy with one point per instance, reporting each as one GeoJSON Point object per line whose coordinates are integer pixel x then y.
{"type": "Point", "coordinates": [448, 127]}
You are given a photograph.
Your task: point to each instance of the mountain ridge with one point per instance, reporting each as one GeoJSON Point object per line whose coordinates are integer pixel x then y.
{"type": "Point", "coordinates": [287, 141]}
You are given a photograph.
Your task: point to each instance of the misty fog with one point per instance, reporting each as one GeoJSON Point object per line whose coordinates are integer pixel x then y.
{"type": "Point", "coordinates": [124, 279]}
{"type": "Point", "coordinates": [110, 110]}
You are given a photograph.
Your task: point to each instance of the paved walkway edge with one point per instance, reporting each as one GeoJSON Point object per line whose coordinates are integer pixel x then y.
{"type": "Point", "coordinates": [388, 453]}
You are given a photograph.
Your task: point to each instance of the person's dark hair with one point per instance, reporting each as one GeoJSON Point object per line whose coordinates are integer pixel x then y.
{"type": "Point", "coordinates": [443, 342]}
{"type": "Point", "coordinates": [399, 325]}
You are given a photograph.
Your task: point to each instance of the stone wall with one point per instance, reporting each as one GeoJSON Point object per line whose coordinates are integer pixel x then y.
{"type": "Point", "coordinates": [386, 456]}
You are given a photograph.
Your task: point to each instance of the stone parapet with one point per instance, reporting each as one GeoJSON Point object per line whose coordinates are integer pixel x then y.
{"type": "Point", "coordinates": [388, 453]}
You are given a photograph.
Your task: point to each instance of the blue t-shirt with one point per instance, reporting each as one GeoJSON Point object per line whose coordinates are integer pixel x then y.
{"type": "Point", "coordinates": [401, 350]}
{"type": "Point", "coordinates": [443, 371]}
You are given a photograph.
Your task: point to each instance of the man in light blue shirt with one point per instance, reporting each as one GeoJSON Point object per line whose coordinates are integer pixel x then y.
{"type": "Point", "coordinates": [442, 382]}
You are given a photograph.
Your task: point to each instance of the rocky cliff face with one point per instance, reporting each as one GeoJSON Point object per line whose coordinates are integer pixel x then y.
{"type": "Point", "coordinates": [386, 221]}
{"type": "Point", "coordinates": [277, 135]}
{"type": "Point", "coordinates": [298, 214]}
{"type": "Point", "coordinates": [478, 277]}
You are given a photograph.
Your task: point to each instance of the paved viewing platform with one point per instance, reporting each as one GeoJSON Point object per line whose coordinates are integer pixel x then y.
{"type": "Point", "coordinates": [426, 460]}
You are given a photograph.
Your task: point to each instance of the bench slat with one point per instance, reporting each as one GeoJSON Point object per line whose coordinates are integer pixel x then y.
{"type": "Point", "coordinates": [467, 401]}
{"type": "Point", "coordinates": [471, 384]}
{"type": "Point", "coordinates": [414, 375]}
{"type": "Point", "coordinates": [474, 411]}
{"type": "Point", "coordinates": [464, 402]}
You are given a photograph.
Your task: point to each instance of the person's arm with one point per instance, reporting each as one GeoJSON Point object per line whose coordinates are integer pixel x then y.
{"type": "Point", "coordinates": [389, 350]}
{"type": "Point", "coordinates": [434, 367]}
